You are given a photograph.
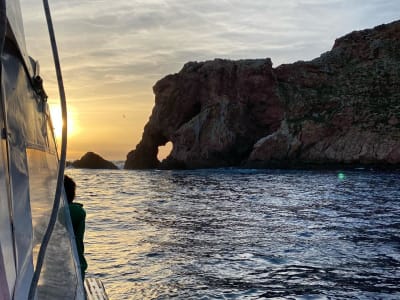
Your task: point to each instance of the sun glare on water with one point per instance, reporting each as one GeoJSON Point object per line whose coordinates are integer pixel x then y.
{"type": "Point", "coordinates": [56, 118]}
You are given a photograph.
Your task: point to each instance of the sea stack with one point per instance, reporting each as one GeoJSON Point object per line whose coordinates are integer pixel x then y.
{"type": "Point", "coordinates": [340, 109]}
{"type": "Point", "coordinates": [92, 160]}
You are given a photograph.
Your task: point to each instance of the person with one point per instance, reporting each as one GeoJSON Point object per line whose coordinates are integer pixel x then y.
{"type": "Point", "coordinates": [78, 216]}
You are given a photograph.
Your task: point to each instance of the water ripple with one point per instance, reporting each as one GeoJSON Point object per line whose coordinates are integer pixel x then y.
{"type": "Point", "coordinates": [243, 234]}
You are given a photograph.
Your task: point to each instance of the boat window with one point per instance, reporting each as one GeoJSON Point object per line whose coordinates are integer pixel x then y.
{"type": "Point", "coordinates": [58, 275]}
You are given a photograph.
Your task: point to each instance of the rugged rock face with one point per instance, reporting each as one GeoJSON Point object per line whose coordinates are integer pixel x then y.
{"type": "Point", "coordinates": [92, 160]}
{"type": "Point", "coordinates": [342, 108]}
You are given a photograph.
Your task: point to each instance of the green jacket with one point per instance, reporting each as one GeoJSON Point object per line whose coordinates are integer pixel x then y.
{"type": "Point", "coordinates": [78, 216]}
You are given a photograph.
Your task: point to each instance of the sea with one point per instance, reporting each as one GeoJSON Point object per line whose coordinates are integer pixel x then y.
{"type": "Point", "coordinates": [242, 233]}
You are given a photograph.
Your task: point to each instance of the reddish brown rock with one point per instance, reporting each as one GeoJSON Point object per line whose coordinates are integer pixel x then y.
{"type": "Point", "coordinates": [213, 113]}
{"type": "Point", "coordinates": [340, 108]}
{"type": "Point", "coordinates": [92, 160]}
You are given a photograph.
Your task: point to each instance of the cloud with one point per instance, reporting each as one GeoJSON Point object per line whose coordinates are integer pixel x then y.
{"type": "Point", "coordinates": [137, 35]}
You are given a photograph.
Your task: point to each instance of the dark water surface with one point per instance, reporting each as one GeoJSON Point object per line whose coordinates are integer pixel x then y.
{"type": "Point", "coordinates": [243, 234]}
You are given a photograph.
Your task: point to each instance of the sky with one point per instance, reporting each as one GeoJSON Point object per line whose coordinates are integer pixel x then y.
{"type": "Point", "coordinates": [112, 52]}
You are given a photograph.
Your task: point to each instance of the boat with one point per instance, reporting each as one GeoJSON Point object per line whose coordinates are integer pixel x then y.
{"type": "Point", "coordinates": [38, 256]}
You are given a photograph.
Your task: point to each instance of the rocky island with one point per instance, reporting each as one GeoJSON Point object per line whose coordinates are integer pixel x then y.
{"type": "Point", "coordinates": [342, 108]}
{"type": "Point", "coordinates": [91, 160]}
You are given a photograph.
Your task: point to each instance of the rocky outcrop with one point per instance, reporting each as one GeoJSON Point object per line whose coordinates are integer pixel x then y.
{"type": "Point", "coordinates": [92, 160]}
{"type": "Point", "coordinates": [342, 108]}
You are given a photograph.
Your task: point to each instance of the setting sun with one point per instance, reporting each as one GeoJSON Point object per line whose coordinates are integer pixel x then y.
{"type": "Point", "coordinates": [56, 117]}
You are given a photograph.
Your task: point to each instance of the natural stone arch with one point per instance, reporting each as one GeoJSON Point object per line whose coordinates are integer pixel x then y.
{"type": "Point", "coordinates": [164, 151]}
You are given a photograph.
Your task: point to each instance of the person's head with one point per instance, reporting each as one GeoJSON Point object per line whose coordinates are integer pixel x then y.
{"type": "Point", "coordinates": [69, 186]}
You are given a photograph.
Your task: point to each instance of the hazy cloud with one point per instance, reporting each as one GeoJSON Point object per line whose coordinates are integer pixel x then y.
{"type": "Point", "coordinates": [137, 33]}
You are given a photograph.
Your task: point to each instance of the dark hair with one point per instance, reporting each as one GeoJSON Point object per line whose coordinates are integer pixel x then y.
{"type": "Point", "coordinates": [69, 186]}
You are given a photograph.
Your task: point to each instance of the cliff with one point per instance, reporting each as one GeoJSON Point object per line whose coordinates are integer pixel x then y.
{"type": "Point", "coordinates": [342, 108]}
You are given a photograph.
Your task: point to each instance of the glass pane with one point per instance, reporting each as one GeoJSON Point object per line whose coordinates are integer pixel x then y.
{"type": "Point", "coordinates": [58, 279]}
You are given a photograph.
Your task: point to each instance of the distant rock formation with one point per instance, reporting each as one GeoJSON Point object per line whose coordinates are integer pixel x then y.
{"type": "Point", "coordinates": [92, 160]}
{"type": "Point", "coordinates": [342, 108]}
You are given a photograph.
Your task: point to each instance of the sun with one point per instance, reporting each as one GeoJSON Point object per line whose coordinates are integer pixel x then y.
{"type": "Point", "coordinates": [56, 118]}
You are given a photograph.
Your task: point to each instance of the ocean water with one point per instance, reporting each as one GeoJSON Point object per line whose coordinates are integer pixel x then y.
{"type": "Point", "coordinates": [242, 234]}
